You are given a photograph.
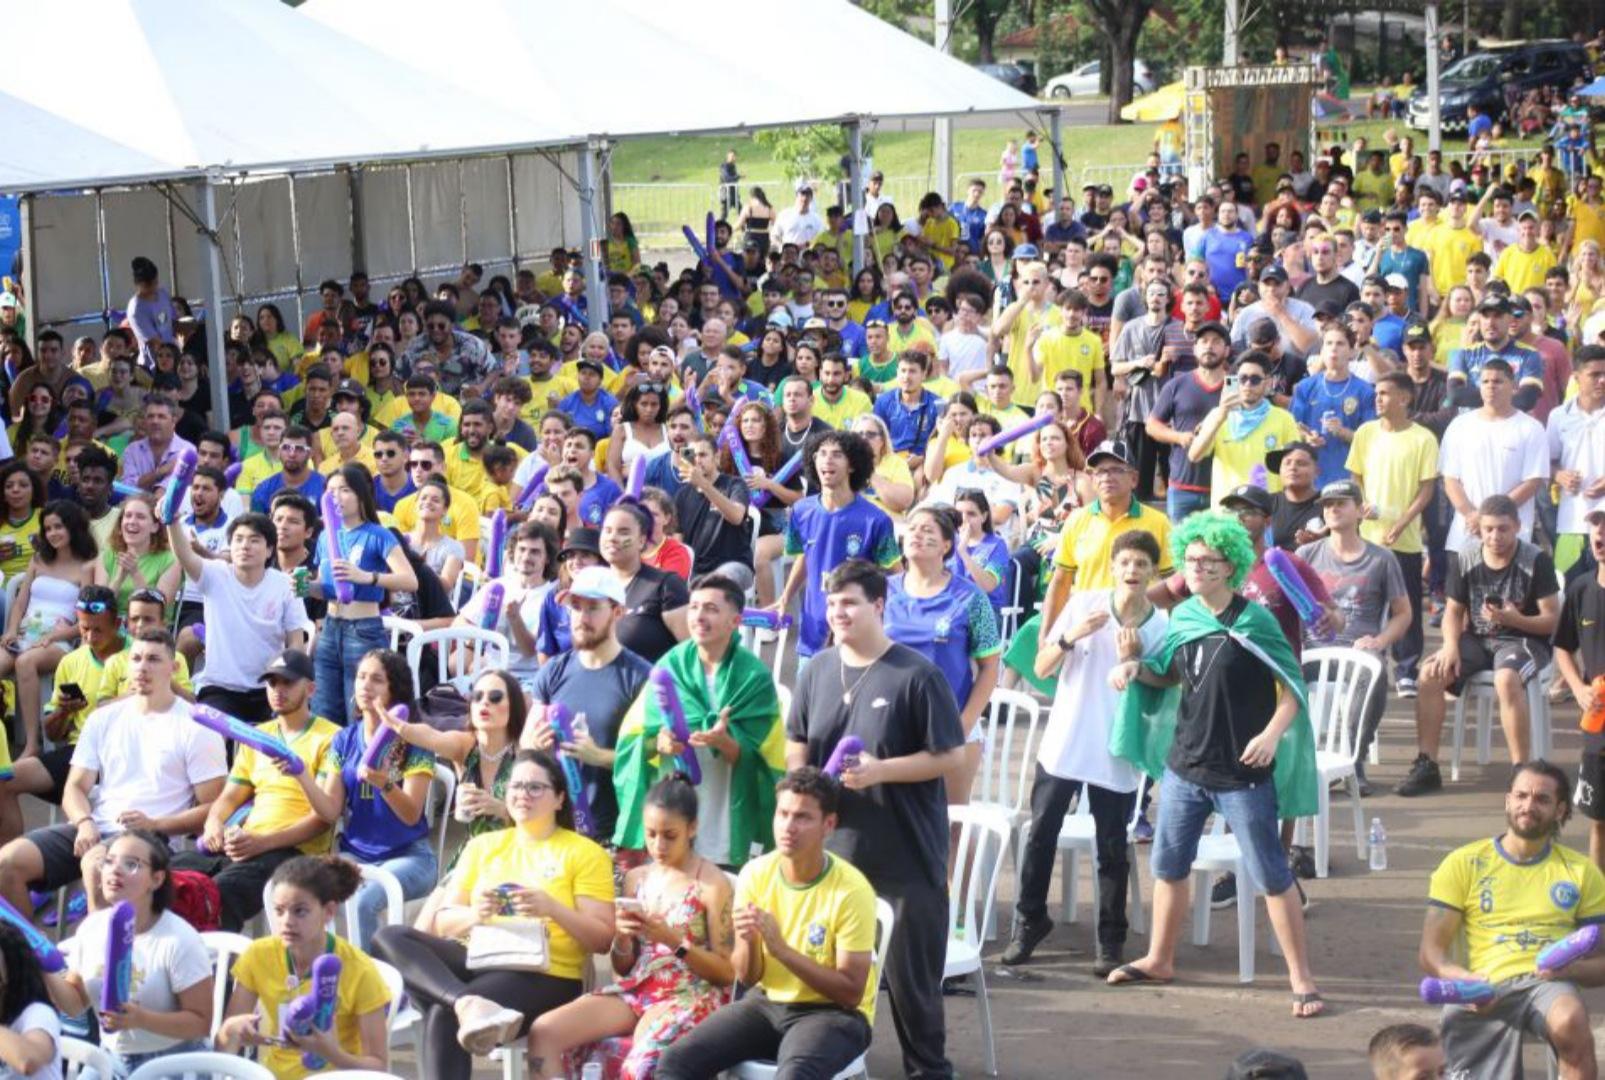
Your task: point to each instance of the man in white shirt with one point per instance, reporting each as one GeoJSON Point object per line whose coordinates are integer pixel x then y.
{"type": "Point", "coordinates": [534, 548]}
{"type": "Point", "coordinates": [140, 763]}
{"type": "Point", "coordinates": [251, 612]}
{"type": "Point", "coordinates": [1494, 450]}
{"type": "Point", "coordinates": [963, 347]}
{"type": "Point", "coordinates": [800, 223]}
{"type": "Point", "coordinates": [1577, 454]}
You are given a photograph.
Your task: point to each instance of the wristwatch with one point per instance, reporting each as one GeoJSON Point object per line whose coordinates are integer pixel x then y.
{"type": "Point", "coordinates": [682, 950]}
{"type": "Point", "coordinates": [1065, 644]}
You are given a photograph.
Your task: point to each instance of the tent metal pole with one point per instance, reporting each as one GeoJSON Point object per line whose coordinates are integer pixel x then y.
{"type": "Point", "coordinates": [1434, 108]}
{"type": "Point", "coordinates": [216, 364]}
{"type": "Point", "coordinates": [942, 127]}
{"type": "Point", "coordinates": [855, 178]}
{"type": "Point", "coordinates": [591, 240]}
{"type": "Point", "coordinates": [512, 215]}
{"type": "Point", "coordinates": [30, 280]}
{"type": "Point", "coordinates": [1061, 168]}
{"type": "Point", "coordinates": [359, 237]}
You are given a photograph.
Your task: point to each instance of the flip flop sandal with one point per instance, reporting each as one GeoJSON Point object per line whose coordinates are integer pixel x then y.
{"type": "Point", "coordinates": [1312, 998]}
{"type": "Point", "coordinates": [1130, 974]}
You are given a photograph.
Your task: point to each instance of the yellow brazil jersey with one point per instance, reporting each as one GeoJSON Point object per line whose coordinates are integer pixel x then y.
{"type": "Point", "coordinates": [279, 801]}
{"type": "Point", "coordinates": [331, 462]}
{"type": "Point", "coordinates": [1511, 910]}
{"type": "Point", "coordinates": [254, 470]}
{"type": "Point", "coordinates": [119, 682]}
{"type": "Point", "coordinates": [957, 452]}
{"type": "Point", "coordinates": [833, 914]}
{"type": "Point", "coordinates": [17, 536]}
{"type": "Point", "coordinates": [565, 865]}
{"type": "Point", "coordinates": [840, 414]}
{"type": "Point", "coordinates": [1090, 533]}
{"type": "Point", "coordinates": [1372, 191]}
{"type": "Point", "coordinates": [462, 516]}
{"type": "Point", "coordinates": [264, 969]}
{"type": "Point", "coordinates": [1234, 459]}
{"type": "Point", "coordinates": [890, 469]}
{"type": "Point", "coordinates": [1025, 387]}
{"type": "Point", "coordinates": [467, 472]}
{"type": "Point", "coordinates": [1058, 351]}
{"type": "Point", "coordinates": [942, 234]}
{"type": "Point", "coordinates": [1588, 221]}
{"type": "Point", "coordinates": [398, 407]}
{"type": "Point", "coordinates": [1391, 466]}
{"type": "Point", "coordinates": [942, 386]}
{"type": "Point", "coordinates": [1523, 270]}
{"type": "Point", "coordinates": [81, 669]}
{"type": "Point", "coordinates": [1418, 234]}
{"type": "Point", "coordinates": [1447, 336]}
{"type": "Point", "coordinates": [920, 332]}
{"type": "Point", "coordinates": [547, 392]}
{"type": "Point", "coordinates": [1449, 248]}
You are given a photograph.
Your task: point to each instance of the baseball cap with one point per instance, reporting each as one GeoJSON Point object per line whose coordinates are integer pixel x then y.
{"type": "Point", "coordinates": [1027, 251]}
{"type": "Point", "coordinates": [1106, 451]}
{"type": "Point", "coordinates": [1342, 489]}
{"type": "Point", "coordinates": [803, 185]}
{"type": "Point", "coordinates": [594, 583]}
{"type": "Point", "coordinates": [1247, 495]}
{"type": "Point", "coordinates": [350, 388]}
{"type": "Point", "coordinates": [816, 323]}
{"type": "Point", "coordinates": [1105, 189]}
{"type": "Point", "coordinates": [586, 362]}
{"type": "Point", "coordinates": [1273, 459]}
{"type": "Point", "coordinates": [1264, 1063]}
{"type": "Point", "coordinates": [292, 665]}
{"type": "Point", "coordinates": [582, 539]}
{"type": "Point", "coordinates": [1263, 332]}
{"type": "Point", "coordinates": [1494, 304]}
{"type": "Point", "coordinates": [1519, 307]}
{"type": "Point", "coordinates": [1417, 333]}
{"type": "Point", "coordinates": [1213, 328]}
{"type": "Point", "coordinates": [8, 299]}
{"type": "Point", "coordinates": [1396, 281]}
{"type": "Point", "coordinates": [1329, 309]}
{"type": "Point", "coordinates": [1273, 273]}
{"type": "Point", "coordinates": [1372, 217]}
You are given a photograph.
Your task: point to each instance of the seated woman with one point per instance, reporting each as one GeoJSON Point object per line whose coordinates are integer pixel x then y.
{"type": "Point", "coordinates": [384, 807]}
{"type": "Point", "coordinates": [469, 1012]}
{"type": "Point", "coordinates": [671, 953]}
{"type": "Point", "coordinates": [169, 1009]}
{"type": "Point", "coordinates": [30, 1029]}
{"type": "Point", "coordinates": [138, 557]}
{"type": "Point", "coordinates": [273, 971]}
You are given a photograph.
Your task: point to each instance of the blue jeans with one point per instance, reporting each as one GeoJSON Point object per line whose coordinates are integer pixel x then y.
{"type": "Point", "coordinates": [127, 1063]}
{"type": "Point", "coordinates": [1250, 812]}
{"type": "Point", "coordinates": [1179, 503]}
{"type": "Point", "coordinates": [342, 644]}
{"type": "Point", "coordinates": [417, 870]}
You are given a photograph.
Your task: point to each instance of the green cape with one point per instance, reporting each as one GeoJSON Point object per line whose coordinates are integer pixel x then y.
{"type": "Point", "coordinates": [747, 688]}
{"type": "Point", "coordinates": [1146, 724]}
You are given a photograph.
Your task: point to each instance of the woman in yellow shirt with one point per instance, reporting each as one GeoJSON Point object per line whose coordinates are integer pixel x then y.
{"type": "Point", "coordinates": [284, 345]}
{"type": "Point", "coordinates": [304, 895]}
{"type": "Point", "coordinates": [539, 880]}
{"type": "Point", "coordinates": [891, 487]}
{"type": "Point", "coordinates": [1588, 282]}
{"type": "Point", "coordinates": [24, 496]}
{"type": "Point", "coordinates": [1449, 325]}
{"type": "Point", "coordinates": [866, 294]}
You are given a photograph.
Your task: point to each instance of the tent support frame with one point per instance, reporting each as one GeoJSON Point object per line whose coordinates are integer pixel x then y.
{"type": "Point", "coordinates": [855, 179]}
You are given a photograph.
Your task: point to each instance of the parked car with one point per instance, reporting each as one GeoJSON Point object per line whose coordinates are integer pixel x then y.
{"type": "Point", "coordinates": [1493, 78]}
{"type": "Point", "coordinates": [1083, 81]}
{"type": "Point", "coordinates": [1016, 75]}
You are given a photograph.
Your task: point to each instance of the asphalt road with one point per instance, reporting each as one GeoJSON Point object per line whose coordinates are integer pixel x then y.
{"type": "Point", "coordinates": [1073, 114]}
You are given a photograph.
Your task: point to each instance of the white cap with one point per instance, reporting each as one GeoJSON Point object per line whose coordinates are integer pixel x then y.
{"type": "Point", "coordinates": [596, 583]}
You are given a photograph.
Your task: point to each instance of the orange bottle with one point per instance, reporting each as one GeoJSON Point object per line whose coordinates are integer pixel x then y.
{"type": "Point", "coordinates": [1593, 720]}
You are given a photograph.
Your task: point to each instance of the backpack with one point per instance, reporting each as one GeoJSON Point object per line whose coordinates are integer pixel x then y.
{"type": "Point", "coordinates": [196, 900]}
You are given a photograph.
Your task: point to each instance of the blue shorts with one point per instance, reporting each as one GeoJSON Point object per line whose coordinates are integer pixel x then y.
{"type": "Point", "coordinates": [1184, 807]}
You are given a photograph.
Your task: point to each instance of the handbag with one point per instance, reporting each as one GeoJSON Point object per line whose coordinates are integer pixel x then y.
{"type": "Point", "coordinates": [509, 945]}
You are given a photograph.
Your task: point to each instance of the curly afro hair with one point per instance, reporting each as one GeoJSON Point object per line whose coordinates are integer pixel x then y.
{"type": "Point", "coordinates": [1222, 533]}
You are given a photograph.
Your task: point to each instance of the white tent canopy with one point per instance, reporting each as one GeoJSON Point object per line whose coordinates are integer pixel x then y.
{"type": "Point", "coordinates": [623, 68]}
{"type": "Point", "coordinates": [50, 150]}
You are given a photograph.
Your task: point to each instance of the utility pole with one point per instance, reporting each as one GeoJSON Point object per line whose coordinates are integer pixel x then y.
{"type": "Point", "coordinates": [942, 128]}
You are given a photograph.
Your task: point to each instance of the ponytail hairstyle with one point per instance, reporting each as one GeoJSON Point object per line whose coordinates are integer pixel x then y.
{"type": "Point", "coordinates": [161, 862]}
{"type": "Point", "coordinates": [675, 794]}
{"type": "Point", "coordinates": [329, 879]}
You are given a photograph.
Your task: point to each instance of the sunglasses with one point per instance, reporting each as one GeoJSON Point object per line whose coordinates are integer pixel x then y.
{"type": "Point", "coordinates": [1251, 380]}
{"type": "Point", "coordinates": [495, 697]}
{"type": "Point", "coordinates": [421, 464]}
{"type": "Point", "coordinates": [94, 607]}
{"type": "Point", "coordinates": [145, 596]}
{"type": "Point", "coordinates": [386, 455]}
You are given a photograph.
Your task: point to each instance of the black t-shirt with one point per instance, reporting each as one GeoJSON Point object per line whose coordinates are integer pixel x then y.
{"type": "Point", "coordinates": [1581, 630]}
{"type": "Point", "coordinates": [1228, 697]}
{"type": "Point", "coordinates": [900, 705]}
{"type": "Point", "coordinates": [1340, 290]}
{"type": "Point", "coordinates": [713, 540]}
{"type": "Point", "coordinates": [768, 376]}
{"type": "Point", "coordinates": [1183, 404]}
{"type": "Point", "coordinates": [649, 594]}
{"type": "Point", "coordinates": [1525, 580]}
{"type": "Point", "coordinates": [1289, 516]}
{"type": "Point", "coordinates": [792, 442]}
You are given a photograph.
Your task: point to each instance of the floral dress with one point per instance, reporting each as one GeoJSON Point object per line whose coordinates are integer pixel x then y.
{"type": "Point", "coordinates": [484, 823]}
{"type": "Point", "coordinates": [657, 978]}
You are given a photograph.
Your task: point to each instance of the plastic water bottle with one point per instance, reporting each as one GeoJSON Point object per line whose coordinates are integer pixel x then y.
{"type": "Point", "coordinates": [1378, 845]}
{"type": "Point", "coordinates": [592, 1071]}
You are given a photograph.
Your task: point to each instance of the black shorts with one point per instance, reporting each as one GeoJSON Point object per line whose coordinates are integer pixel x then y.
{"type": "Point", "coordinates": [58, 763]}
{"type": "Point", "coordinates": [1590, 794]}
{"type": "Point", "coordinates": [62, 867]}
{"type": "Point", "coordinates": [1526, 656]}
{"type": "Point", "coordinates": [190, 612]}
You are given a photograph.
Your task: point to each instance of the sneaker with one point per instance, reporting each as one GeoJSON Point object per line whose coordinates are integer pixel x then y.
{"type": "Point", "coordinates": [1301, 860]}
{"type": "Point", "coordinates": [1144, 832]}
{"type": "Point", "coordinates": [1108, 958]}
{"type": "Point", "coordinates": [483, 1025]}
{"type": "Point", "coordinates": [1224, 892]}
{"type": "Point", "coordinates": [1028, 934]}
{"type": "Point", "coordinates": [1360, 779]}
{"type": "Point", "coordinates": [1405, 687]}
{"type": "Point", "coordinates": [1424, 777]}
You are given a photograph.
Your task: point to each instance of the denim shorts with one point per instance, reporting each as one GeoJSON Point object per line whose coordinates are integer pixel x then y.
{"type": "Point", "coordinates": [1184, 807]}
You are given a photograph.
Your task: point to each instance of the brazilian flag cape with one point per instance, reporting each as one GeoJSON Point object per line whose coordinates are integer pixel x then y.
{"type": "Point", "coordinates": [1145, 727]}
{"type": "Point", "coordinates": [747, 688]}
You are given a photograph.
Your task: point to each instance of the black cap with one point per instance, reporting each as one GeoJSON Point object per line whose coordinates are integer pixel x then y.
{"type": "Point", "coordinates": [1519, 307]}
{"type": "Point", "coordinates": [1371, 217]}
{"type": "Point", "coordinates": [291, 664]}
{"type": "Point", "coordinates": [586, 362]}
{"type": "Point", "coordinates": [1105, 189]}
{"type": "Point", "coordinates": [1329, 309]}
{"type": "Point", "coordinates": [1273, 273]}
{"type": "Point", "coordinates": [1416, 333]}
{"type": "Point", "coordinates": [350, 388]}
{"type": "Point", "coordinates": [1254, 498]}
{"type": "Point", "coordinates": [1494, 304]}
{"type": "Point", "coordinates": [582, 539]}
{"type": "Point", "coordinates": [1273, 459]}
{"type": "Point", "coordinates": [1263, 332]}
{"type": "Point", "coordinates": [1213, 328]}
{"type": "Point", "coordinates": [1342, 489]}
{"type": "Point", "coordinates": [1115, 451]}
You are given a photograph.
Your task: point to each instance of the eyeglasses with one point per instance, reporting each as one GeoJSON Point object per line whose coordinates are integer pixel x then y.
{"type": "Point", "coordinates": [1251, 380]}
{"type": "Point", "coordinates": [386, 455]}
{"type": "Point", "coordinates": [1099, 279]}
{"type": "Point", "coordinates": [1202, 562]}
{"type": "Point", "coordinates": [94, 607]}
{"type": "Point", "coordinates": [533, 788]}
{"type": "Point", "coordinates": [1107, 474]}
{"type": "Point", "coordinates": [128, 864]}
{"type": "Point", "coordinates": [495, 697]}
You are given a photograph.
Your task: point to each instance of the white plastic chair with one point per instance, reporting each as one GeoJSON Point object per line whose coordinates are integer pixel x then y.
{"type": "Point", "coordinates": [885, 919]}
{"type": "Point", "coordinates": [200, 1064]}
{"type": "Point", "coordinates": [442, 798]}
{"type": "Point", "coordinates": [223, 946]}
{"type": "Point", "coordinates": [398, 990]}
{"type": "Point", "coordinates": [983, 839]}
{"type": "Point", "coordinates": [1079, 836]}
{"type": "Point", "coordinates": [1219, 853]}
{"type": "Point", "coordinates": [1012, 728]}
{"type": "Point", "coordinates": [1009, 624]}
{"type": "Point", "coordinates": [1480, 689]}
{"type": "Point", "coordinates": [1344, 680]}
{"type": "Point", "coordinates": [486, 649]}
{"type": "Point", "coordinates": [401, 631]}
{"type": "Point", "coordinates": [395, 903]}
{"type": "Point", "coordinates": [77, 1055]}
{"type": "Point", "coordinates": [773, 653]}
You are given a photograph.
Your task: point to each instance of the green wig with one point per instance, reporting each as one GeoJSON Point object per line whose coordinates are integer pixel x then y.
{"type": "Point", "coordinates": [1222, 533]}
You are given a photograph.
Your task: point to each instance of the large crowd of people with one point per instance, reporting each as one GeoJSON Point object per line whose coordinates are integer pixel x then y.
{"type": "Point", "coordinates": [1136, 452]}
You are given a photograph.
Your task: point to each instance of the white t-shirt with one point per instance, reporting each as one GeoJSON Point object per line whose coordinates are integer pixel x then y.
{"type": "Point", "coordinates": [39, 1016]}
{"type": "Point", "coordinates": [1490, 457]}
{"type": "Point", "coordinates": [1577, 441]}
{"type": "Point", "coordinates": [1075, 744]}
{"type": "Point", "coordinates": [962, 352]}
{"type": "Point", "coordinates": [146, 761]}
{"type": "Point", "coordinates": [527, 602]}
{"type": "Point", "coordinates": [169, 958]}
{"type": "Point", "coordinates": [1496, 237]}
{"type": "Point", "coordinates": [255, 622]}
{"type": "Point", "coordinates": [797, 227]}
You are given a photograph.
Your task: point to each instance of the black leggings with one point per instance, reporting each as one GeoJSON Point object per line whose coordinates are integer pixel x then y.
{"type": "Point", "coordinates": [436, 974]}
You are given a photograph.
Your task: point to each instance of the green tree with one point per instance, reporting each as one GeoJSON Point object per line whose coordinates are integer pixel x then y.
{"type": "Point", "coordinates": [808, 152]}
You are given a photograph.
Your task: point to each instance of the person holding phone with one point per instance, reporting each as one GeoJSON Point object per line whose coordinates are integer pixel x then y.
{"type": "Point", "coordinates": [1242, 429]}
{"type": "Point", "coordinates": [671, 952]}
